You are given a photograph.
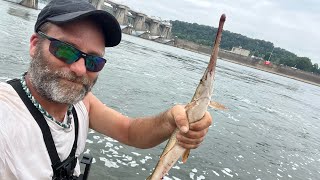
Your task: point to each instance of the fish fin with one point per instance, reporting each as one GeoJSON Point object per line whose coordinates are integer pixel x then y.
{"type": "Point", "coordinates": [185, 155]}
{"type": "Point", "coordinates": [216, 105]}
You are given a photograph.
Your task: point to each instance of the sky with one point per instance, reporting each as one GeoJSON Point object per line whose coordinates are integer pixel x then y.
{"type": "Point", "coordinates": [289, 24]}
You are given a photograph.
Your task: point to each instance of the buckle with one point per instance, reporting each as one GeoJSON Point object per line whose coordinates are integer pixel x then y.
{"type": "Point", "coordinates": [65, 169]}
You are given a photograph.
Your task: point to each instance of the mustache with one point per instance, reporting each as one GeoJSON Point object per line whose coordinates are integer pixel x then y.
{"type": "Point", "coordinates": [71, 76]}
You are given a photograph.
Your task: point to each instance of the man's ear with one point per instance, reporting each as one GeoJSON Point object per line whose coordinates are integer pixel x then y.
{"type": "Point", "coordinates": [34, 40]}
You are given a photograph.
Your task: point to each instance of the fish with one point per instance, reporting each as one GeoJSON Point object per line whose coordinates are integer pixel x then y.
{"type": "Point", "coordinates": [195, 110]}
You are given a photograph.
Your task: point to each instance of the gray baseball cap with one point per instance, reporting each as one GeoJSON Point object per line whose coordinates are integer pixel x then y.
{"type": "Point", "coordinates": [64, 11]}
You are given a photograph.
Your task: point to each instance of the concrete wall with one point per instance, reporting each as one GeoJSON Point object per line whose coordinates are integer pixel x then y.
{"type": "Point", "coordinates": [248, 61]}
{"type": "Point", "coordinates": [154, 28]}
{"type": "Point", "coordinates": [30, 3]}
{"type": "Point", "coordinates": [121, 15]}
{"type": "Point", "coordinates": [127, 30]}
{"type": "Point", "coordinates": [97, 3]}
{"type": "Point", "coordinates": [139, 22]}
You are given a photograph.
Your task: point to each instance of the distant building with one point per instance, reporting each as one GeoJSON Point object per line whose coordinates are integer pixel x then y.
{"type": "Point", "coordinates": [240, 51]}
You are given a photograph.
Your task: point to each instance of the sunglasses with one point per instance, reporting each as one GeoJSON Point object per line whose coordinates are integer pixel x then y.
{"type": "Point", "coordinates": [69, 54]}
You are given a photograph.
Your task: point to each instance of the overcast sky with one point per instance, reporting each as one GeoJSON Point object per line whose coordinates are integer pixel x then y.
{"type": "Point", "coordinates": [289, 24]}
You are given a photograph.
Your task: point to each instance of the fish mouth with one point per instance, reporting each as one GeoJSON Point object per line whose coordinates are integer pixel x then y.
{"type": "Point", "coordinates": [214, 56]}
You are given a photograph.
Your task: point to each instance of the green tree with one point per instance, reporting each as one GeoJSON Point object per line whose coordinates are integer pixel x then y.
{"type": "Point", "coordinates": [315, 68]}
{"type": "Point", "coordinates": [204, 35]}
{"type": "Point", "coordinates": [304, 63]}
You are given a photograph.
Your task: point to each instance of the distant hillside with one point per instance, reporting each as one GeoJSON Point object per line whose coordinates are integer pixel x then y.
{"type": "Point", "coordinates": [204, 35]}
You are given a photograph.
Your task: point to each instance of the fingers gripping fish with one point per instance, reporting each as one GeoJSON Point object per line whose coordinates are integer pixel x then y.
{"type": "Point", "coordinates": [195, 111]}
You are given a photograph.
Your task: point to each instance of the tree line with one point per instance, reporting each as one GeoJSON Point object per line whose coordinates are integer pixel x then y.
{"type": "Point", "coordinates": [205, 35]}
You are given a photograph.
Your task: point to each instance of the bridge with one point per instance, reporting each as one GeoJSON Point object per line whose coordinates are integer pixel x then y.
{"type": "Point", "coordinates": [34, 3]}
{"type": "Point", "coordinates": [131, 22]}
{"type": "Point", "coordinates": [139, 24]}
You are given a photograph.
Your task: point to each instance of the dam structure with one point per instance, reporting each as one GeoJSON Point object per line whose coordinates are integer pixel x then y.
{"type": "Point", "coordinates": [35, 3]}
{"type": "Point", "coordinates": [139, 24]}
{"type": "Point", "coordinates": [131, 22]}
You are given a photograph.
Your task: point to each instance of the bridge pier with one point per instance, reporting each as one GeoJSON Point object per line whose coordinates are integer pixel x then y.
{"type": "Point", "coordinates": [97, 3]}
{"type": "Point", "coordinates": [30, 3]}
{"type": "Point", "coordinates": [154, 27]}
{"type": "Point", "coordinates": [121, 14]}
{"type": "Point", "coordinates": [139, 22]}
{"type": "Point", "coordinates": [165, 31]}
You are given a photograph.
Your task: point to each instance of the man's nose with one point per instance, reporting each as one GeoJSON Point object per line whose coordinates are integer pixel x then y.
{"type": "Point", "coordinates": [79, 67]}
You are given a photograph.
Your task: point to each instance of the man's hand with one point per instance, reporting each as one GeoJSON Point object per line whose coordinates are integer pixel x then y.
{"type": "Point", "coordinates": [190, 136]}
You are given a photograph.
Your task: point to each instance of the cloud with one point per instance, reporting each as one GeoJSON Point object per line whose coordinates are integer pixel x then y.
{"type": "Point", "coordinates": [200, 3]}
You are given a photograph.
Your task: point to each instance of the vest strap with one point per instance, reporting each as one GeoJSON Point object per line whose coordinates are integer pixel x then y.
{"type": "Point", "coordinates": [70, 162]}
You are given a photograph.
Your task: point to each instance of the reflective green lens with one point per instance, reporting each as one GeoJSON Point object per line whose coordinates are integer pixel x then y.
{"type": "Point", "coordinates": [70, 54]}
{"type": "Point", "coordinates": [64, 51]}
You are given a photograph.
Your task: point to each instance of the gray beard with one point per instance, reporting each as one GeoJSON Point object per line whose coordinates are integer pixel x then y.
{"type": "Point", "coordinates": [51, 83]}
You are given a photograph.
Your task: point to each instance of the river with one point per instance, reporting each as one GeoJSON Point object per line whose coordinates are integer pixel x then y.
{"type": "Point", "coordinates": [271, 130]}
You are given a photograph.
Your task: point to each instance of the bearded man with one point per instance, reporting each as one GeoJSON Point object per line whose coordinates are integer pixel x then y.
{"type": "Point", "coordinates": [45, 115]}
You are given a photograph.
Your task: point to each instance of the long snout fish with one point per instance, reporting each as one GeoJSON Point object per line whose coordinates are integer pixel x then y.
{"type": "Point", "coordinates": [195, 111]}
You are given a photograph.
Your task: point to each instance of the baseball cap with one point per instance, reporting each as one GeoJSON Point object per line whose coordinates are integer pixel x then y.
{"type": "Point", "coordinates": [63, 11]}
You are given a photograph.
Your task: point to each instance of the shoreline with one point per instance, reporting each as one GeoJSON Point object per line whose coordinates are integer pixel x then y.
{"type": "Point", "coordinates": [280, 74]}
{"type": "Point", "coordinates": [254, 67]}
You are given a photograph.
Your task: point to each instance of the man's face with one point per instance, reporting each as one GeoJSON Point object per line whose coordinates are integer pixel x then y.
{"type": "Point", "coordinates": [57, 81]}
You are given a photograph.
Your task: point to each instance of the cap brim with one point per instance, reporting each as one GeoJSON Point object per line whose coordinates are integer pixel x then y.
{"type": "Point", "coordinates": [109, 24]}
